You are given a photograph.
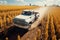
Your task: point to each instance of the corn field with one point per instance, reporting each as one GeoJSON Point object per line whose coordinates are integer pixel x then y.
{"type": "Point", "coordinates": [48, 29]}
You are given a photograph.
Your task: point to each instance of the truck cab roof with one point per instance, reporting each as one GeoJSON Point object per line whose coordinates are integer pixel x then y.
{"type": "Point", "coordinates": [28, 10]}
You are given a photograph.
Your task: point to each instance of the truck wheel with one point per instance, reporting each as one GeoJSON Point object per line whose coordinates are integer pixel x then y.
{"type": "Point", "coordinates": [29, 25]}
{"type": "Point", "coordinates": [35, 18]}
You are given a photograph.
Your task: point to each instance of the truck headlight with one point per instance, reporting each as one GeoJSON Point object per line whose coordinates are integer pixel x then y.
{"type": "Point", "coordinates": [28, 20]}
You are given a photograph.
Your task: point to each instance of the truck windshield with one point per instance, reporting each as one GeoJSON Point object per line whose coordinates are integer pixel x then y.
{"type": "Point", "coordinates": [26, 13]}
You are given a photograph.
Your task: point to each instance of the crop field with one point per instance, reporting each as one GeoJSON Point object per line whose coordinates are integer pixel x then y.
{"type": "Point", "coordinates": [48, 29]}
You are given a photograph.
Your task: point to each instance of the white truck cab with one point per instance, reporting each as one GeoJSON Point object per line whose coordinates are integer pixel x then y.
{"type": "Point", "coordinates": [26, 18]}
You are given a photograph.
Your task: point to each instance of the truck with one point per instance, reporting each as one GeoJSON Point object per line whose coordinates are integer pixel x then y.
{"type": "Point", "coordinates": [25, 19]}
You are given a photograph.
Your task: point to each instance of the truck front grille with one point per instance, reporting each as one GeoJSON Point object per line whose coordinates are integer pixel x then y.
{"type": "Point", "coordinates": [20, 22]}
